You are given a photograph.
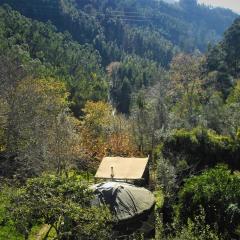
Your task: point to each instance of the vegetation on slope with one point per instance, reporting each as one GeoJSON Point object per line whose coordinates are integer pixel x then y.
{"type": "Point", "coordinates": [152, 29]}
{"type": "Point", "coordinates": [61, 111]}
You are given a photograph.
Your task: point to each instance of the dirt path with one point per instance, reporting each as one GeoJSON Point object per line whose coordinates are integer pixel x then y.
{"type": "Point", "coordinates": [42, 232]}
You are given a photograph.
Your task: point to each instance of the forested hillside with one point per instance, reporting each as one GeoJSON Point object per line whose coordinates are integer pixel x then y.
{"type": "Point", "coordinates": [142, 36]}
{"type": "Point", "coordinates": [148, 28]}
{"type": "Point", "coordinates": [84, 79]}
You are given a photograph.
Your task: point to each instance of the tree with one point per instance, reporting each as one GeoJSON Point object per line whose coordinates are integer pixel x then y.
{"type": "Point", "coordinates": [65, 144]}
{"type": "Point", "coordinates": [166, 177]}
{"type": "Point", "coordinates": [61, 57]}
{"type": "Point", "coordinates": [201, 148]}
{"type": "Point", "coordinates": [224, 61]}
{"type": "Point", "coordinates": [46, 136]}
{"type": "Point", "coordinates": [125, 97]}
{"type": "Point", "coordinates": [186, 87]}
{"type": "Point", "coordinates": [213, 115]}
{"type": "Point", "coordinates": [142, 115]}
{"type": "Point", "coordinates": [12, 71]}
{"type": "Point", "coordinates": [41, 132]}
{"type": "Point", "coordinates": [231, 45]}
{"type": "Point", "coordinates": [150, 114]}
{"type": "Point", "coordinates": [95, 127]}
{"type": "Point", "coordinates": [231, 108]}
{"type": "Point", "coordinates": [3, 123]}
{"type": "Point", "coordinates": [62, 203]}
{"type": "Point", "coordinates": [121, 141]}
{"type": "Point", "coordinates": [104, 132]}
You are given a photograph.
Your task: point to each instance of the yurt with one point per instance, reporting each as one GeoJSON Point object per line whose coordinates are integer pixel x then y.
{"type": "Point", "coordinates": [132, 207]}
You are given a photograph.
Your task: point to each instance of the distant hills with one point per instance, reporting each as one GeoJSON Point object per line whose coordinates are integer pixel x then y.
{"type": "Point", "coordinates": [150, 29]}
{"type": "Point", "coordinates": [107, 49]}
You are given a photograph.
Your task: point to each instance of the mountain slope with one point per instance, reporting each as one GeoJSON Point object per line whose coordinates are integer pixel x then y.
{"type": "Point", "coordinates": [77, 65]}
{"type": "Point", "coordinates": [151, 29]}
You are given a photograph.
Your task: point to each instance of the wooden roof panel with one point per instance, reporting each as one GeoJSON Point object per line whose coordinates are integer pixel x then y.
{"type": "Point", "coordinates": [123, 168]}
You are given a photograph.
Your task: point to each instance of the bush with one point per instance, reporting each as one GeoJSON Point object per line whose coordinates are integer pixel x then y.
{"type": "Point", "coordinates": [195, 229]}
{"type": "Point", "coordinates": [218, 192]}
{"type": "Point", "coordinates": [7, 228]}
{"type": "Point", "coordinates": [166, 176]}
{"type": "Point", "coordinates": [202, 148]}
{"type": "Point", "coordinates": [64, 204]}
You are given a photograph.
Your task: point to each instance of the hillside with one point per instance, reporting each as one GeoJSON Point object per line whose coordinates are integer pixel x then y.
{"type": "Point", "coordinates": [85, 79]}
{"type": "Point", "coordinates": [143, 36]}
{"type": "Point", "coordinates": [151, 29]}
{"type": "Point", "coordinates": [38, 42]}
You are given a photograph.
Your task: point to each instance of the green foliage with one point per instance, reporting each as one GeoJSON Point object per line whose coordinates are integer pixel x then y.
{"type": "Point", "coordinates": [224, 59]}
{"type": "Point", "coordinates": [202, 148]}
{"type": "Point", "coordinates": [77, 65]}
{"type": "Point", "coordinates": [231, 110]}
{"type": "Point", "coordinates": [231, 45]}
{"type": "Point", "coordinates": [148, 28]}
{"type": "Point", "coordinates": [166, 176]}
{"type": "Point", "coordinates": [213, 116]}
{"type": "Point", "coordinates": [103, 33]}
{"type": "Point", "coordinates": [7, 228]}
{"type": "Point", "coordinates": [217, 191]}
{"type": "Point", "coordinates": [234, 96]}
{"type": "Point", "coordinates": [39, 129]}
{"type": "Point", "coordinates": [186, 89]}
{"type": "Point", "coordinates": [195, 230]}
{"type": "Point", "coordinates": [159, 197]}
{"type": "Point", "coordinates": [130, 76]}
{"type": "Point", "coordinates": [62, 203]}
{"type": "Point", "coordinates": [66, 60]}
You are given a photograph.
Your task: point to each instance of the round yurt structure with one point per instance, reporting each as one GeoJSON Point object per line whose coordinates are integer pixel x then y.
{"type": "Point", "coordinates": [132, 207]}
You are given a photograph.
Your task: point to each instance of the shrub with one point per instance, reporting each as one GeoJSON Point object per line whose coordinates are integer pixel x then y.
{"type": "Point", "coordinates": [202, 148]}
{"type": "Point", "coordinates": [218, 192]}
{"type": "Point", "coordinates": [195, 229]}
{"type": "Point", "coordinates": [166, 176]}
{"type": "Point", "coordinates": [63, 204]}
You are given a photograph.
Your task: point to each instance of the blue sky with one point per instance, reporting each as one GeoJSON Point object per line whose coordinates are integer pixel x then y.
{"type": "Point", "coordinates": [232, 4]}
